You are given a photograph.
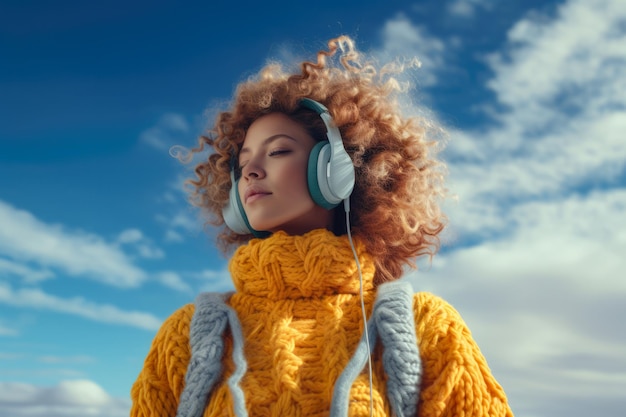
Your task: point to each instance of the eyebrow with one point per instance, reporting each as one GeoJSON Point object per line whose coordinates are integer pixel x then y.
{"type": "Point", "coordinates": [269, 140]}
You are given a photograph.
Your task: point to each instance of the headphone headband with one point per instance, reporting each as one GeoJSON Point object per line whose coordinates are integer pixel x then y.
{"type": "Point", "coordinates": [339, 170]}
{"type": "Point", "coordinates": [319, 108]}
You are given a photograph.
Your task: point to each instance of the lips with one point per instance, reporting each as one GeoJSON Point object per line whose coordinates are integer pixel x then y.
{"type": "Point", "coordinates": [254, 192]}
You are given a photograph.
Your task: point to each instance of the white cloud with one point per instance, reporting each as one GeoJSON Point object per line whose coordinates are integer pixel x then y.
{"type": "Point", "coordinates": [24, 238]}
{"type": "Point", "coordinates": [7, 331]}
{"type": "Point", "coordinates": [144, 248]}
{"type": "Point", "coordinates": [204, 280]}
{"type": "Point", "coordinates": [173, 236]}
{"type": "Point", "coordinates": [66, 399]}
{"type": "Point", "coordinates": [466, 9]}
{"type": "Point", "coordinates": [50, 359]}
{"type": "Point", "coordinates": [170, 197]}
{"type": "Point", "coordinates": [524, 189]}
{"type": "Point", "coordinates": [575, 243]}
{"type": "Point", "coordinates": [565, 66]}
{"type": "Point", "coordinates": [130, 236]}
{"type": "Point", "coordinates": [403, 39]}
{"type": "Point", "coordinates": [149, 251]}
{"type": "Point", "coordinates": [545, 300]}
{"type": "Point", "coordinates": [174, 281]}
{"type": "Point", "coordinates": [170, 130]}
{"type": "Point", "coordinates": [184, 220]}
{"type": "Point", "coordinates": [44, 372]}
{"type": "Point", "coordinates": [562, 125]}
{"type": "Point", "coordinates": [26, 273]}
{"type": "Point", "coordinates": [215, 280]}
{"type": "Point", "coordinates": [181, 223]}
{"type": "Point", "coordinates": [541, 214]}
{"type": "Point", "coordinates": [505, 161]}
{"type": "Point", "coordinates": [105, 313]}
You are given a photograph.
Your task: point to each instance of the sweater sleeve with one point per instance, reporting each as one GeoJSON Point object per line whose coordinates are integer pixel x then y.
{"type": "Point", "coordinates": [456, 380]}
{"type": "Point", "coordinates": [157, 389]}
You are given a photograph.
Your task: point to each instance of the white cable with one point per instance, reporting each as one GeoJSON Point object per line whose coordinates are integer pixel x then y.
{"type": "Point", "coordinates": [346, 205]}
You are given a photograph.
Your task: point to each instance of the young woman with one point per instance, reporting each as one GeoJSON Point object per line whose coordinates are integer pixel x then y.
{"type": "Point", "coordinates": [328, 192]}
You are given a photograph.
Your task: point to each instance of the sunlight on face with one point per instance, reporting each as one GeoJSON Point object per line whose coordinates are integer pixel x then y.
{"type": "Point", "coordinates": [273, 184]}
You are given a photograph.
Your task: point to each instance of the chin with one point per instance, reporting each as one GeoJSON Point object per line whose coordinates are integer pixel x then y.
{"type": "Point", "coordinates": [292, 230]}
{"type": "Point", "coordinates": [294, 226]}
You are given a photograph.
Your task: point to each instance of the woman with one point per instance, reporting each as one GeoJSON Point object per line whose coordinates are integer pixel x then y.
{"type": "Point", "coordinates": [328, 192]}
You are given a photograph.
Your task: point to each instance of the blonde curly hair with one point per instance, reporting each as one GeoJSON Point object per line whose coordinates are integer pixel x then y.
{"type": "Point", "coordinates": [395, 208]}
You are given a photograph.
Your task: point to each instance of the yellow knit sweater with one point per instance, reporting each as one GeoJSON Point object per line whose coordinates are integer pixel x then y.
{"type": "Point", "coordinates": [297, 298]}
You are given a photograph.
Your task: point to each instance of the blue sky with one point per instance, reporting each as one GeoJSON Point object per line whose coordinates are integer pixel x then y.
{"type": "Point", "coordinates": [98, 244]}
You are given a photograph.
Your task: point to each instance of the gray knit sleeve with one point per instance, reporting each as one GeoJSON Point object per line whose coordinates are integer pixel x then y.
{"type": "Point", "coordinates": [206, 337]}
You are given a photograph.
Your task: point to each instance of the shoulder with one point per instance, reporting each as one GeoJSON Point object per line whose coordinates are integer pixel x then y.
{"type": "Point", "coordinates": [430, 307]}
{"type": "Point", "coordinates": [181, 317]}
{"type": "Point", "coordinates": [161, 380]}
{"type": "Point", "coordinates": [455, 372]}
{"type": "Point", "coordinates": [175, 329]}
{"type": "Point", "coordinates": [437, 323]}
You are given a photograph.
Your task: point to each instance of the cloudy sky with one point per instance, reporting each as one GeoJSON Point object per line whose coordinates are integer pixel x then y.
{"type": "Point", "coordinates": [98, 244]}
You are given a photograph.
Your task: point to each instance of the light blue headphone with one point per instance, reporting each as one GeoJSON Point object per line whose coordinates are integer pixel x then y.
{"type": "Point", "coordinates": [330, 175]}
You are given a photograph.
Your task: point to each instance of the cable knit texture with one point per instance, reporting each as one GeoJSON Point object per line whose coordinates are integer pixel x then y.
{"type": "Point", "coordinates": [297, 299]}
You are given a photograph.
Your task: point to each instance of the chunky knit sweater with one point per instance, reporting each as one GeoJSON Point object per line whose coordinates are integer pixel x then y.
{"type": "Point", "coordinates": [298, 304]}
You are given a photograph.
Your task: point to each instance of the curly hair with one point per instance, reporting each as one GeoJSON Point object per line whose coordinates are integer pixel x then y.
{"type": "Point", "coordinates": [399, 182]}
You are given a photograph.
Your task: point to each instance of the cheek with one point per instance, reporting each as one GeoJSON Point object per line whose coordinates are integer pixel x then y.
{"type": "Point", "coordinates": [296, 180]}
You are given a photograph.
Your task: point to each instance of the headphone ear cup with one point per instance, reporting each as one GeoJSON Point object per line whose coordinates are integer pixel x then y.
{"type": "Point", "coordinates": [317, 176]}
{"type": "Point", "coordinates": [233, 212]}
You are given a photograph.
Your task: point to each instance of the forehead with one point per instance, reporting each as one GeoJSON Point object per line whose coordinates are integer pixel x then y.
{"type": "Point", "coordinates": [274, 124]}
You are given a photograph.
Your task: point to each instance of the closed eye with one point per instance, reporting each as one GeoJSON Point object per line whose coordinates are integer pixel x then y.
{"type": "Point", "coordinates": [277, 152]}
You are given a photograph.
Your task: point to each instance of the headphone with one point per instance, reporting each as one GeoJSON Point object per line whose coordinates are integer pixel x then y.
{"type": "Point", "coordinates": [330, 175]}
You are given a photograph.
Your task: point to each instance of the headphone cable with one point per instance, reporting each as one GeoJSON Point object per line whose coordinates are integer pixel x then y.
{"type": "Point", "coordinates": [346, 205]}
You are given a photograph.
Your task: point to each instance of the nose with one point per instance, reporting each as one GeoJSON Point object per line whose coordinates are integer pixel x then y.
{"type": "Point", "coordinates": [252, 170]}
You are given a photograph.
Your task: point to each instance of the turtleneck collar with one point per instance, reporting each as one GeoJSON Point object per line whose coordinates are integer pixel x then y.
{"type": "Point", "coordinates": [315, 264]}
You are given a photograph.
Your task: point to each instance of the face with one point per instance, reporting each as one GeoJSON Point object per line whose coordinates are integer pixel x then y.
{"type": "Point", "coordinates": [273, 184]}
